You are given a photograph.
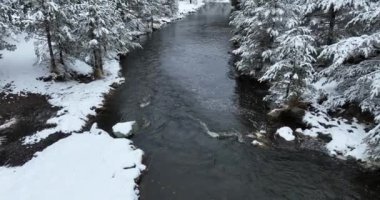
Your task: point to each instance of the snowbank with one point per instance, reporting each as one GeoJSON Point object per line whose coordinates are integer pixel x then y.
{"type": "Point", "coordinates": [347, 137]}
{"type": "Point", "coordinates": [89, 165]}
{"type": "Point", "coordinates": [286, 133]}
{"type": "Point", "coordinates": [123, 129]}
{"type": "Point", "coordinates": [76, 100]}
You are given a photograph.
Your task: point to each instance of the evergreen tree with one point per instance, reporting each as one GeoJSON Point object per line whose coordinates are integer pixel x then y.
{"type": "Point", "coordinates": [103, 32]}
{"type": "Point", "coordinates": [258, 25]}
{"type": "Point", "coordinates": [355, 66]}
{"type": "Point", "coordinates": [292, 69]}
{"type": "Point", "coordinates": [7, 25]}
{"type": "Point", "coordinates": [330, 13]}
{"type": "Point", "coordinates": [45, 20]}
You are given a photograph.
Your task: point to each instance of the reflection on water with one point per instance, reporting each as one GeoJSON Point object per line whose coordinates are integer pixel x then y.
{"type": "Point", "coordinates": [180, 83]}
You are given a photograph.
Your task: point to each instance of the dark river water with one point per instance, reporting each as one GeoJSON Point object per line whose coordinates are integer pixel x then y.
{"type": "Point", "coordinates": [181, 81]}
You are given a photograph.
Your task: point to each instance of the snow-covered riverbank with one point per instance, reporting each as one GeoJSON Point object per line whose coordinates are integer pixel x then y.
{"type": "Point", "coordinates": [342, 137]}
{"type": "Point", "coordinates": [86, 164]}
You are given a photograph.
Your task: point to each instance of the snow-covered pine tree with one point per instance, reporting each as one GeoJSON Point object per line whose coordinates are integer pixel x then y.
{"type": "Point", "coordinates": [7, 24]}
{"type": "Point", "coordinates": [368, 18]}
{"type": "Point", "coordinates": [136, 14]}
{"type": "Point", "coordinates": [292, 69]}
{"type": "Point", "coordinates": [371, 21]}
{"type": "Point", "coordinates": [173, 7]}
{"type": "Point", "coordinates": [257, 25]}
{"type": "Point", "coordinates": [327, 14]}
{"type": "Point", "coordinates": [350, 48]}
{"type": "Point", "coordinates": [103, 33]}
{"type": "Point", "coordinates": [164, 8]}
{"type": "Point", "coordinates": [345, 53]}
{"type": "Point", "coordinates": [44, 20]}
{"type": "Point", "coordinates": [64, 26]}
{"type": "Point", "coordinates": [355, 66]}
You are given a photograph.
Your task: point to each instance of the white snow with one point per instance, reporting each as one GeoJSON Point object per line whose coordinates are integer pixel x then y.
{"type": "Point", "coordinates": [123, 129]}
{"type": "Point", "coordinates": [286, 133]}
{"type": "Point", "coordinates": [8, 124]}
{"type": "Point", "coordinates": [80, 67]}
{"type": "Point", "coordinates": [75, 100]}
{"type": "Point", "coordinates": [347, 137]}
{"type": "Point", "coordinates": [257, 143]}
{"type": "Point", "coordinates": [185, 7]}
{"type": "Point", "coordinates": [89, 165]}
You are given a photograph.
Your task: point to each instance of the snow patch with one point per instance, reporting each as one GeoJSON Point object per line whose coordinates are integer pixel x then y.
{"type": "Point", "coordinates": [257, 143]}
{"type": "Point", "coordinates": [90, 165]}
{"type": "Point", "coordinates": [123, 129]}
{"type": "Point", "coordinates": [185, 7]}
{"type": "Point", "coordinates": [286, 133]}
{"type": "Point", "coordinates": [80, 67]}
{"type": "Point", "coordinates": [76, 100]}
{"type": "Point", "coordinates": [348, 138]}
{"type": "Point", "coordinates": [8, 124]}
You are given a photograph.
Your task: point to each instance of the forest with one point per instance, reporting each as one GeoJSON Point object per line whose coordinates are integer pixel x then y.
{"type": "Point", "coordinates": [189, 99]}
{"type": "Point", "coordinates": [325, 52]}
{"type": "Point", "coordinates": [87, 30]}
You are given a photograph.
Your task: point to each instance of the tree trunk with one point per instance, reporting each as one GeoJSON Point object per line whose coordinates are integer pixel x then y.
{"type": "Point", "coordinates": [288, 89]}
{"type": "Point", "coordinates": [291, 78]}
{"type": "Point", "coordinates": [53, 65]}
{"type": "Point", "coordinates": [98, 63]}
{"type": "Point", "coordinates": [61, 60]}
{"type": "Point", "coordinates": [47, 23]}
{"type": "Point", "coordinates": [332, 19]}
{"type": "Point", "coordinates": [97, 56]}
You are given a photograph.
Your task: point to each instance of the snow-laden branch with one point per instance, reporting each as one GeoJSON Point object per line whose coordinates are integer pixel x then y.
{"type": "Point", "coordinates": [335, 5]}
{"type": "Point", "coordinates": [367, 17]}
{"type": "Point", "coordinates": [353, 47]}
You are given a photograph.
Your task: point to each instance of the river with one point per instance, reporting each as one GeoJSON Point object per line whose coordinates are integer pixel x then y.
{"type": "Point", "coordinates": [182, 81]}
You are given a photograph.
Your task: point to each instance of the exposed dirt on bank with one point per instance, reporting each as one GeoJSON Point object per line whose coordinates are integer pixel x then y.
{"type": "Point", "coordinates": [25, 114]}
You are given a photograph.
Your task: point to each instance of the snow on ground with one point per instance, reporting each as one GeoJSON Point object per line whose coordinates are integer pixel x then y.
{"type": "Point", "coordinates": [185, 7]}
{"type": "Point", "coordinates": [8, 124]}
{"type": "Point", "coordinates": [348, 137]}
{"type": "Point", "coordinates": [286, 133]}
{"type": "Point", "coordinates": [123, 129]}
{"type": "Point", "coordinates": [343, 138]}
{"type": "Point", "coordinates": [90, 165]}
{"type": "Point", "coordinates": [76, 100]}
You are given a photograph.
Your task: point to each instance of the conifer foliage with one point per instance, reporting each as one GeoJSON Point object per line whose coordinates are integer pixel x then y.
{"type": "Point", "coordinates": [89, 30]}
{"type": "Point", "coordinates": [293, 44]}
{"type": "Point", "coordinates": [7, 23]}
